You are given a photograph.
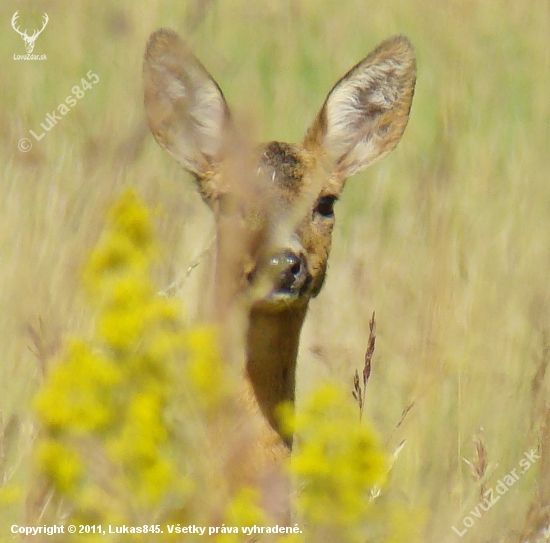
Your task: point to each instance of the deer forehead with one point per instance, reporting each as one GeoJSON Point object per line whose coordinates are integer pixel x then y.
{"type": "Point", "coordinates": [291, 172]}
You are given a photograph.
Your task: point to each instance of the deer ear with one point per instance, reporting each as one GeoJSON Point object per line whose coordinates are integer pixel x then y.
{"type": "Point", "coordinates": [365, 114]}
{"type": "Point", "coordinates": [185, 107]}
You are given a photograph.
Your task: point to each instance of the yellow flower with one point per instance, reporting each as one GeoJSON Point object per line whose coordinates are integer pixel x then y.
{"type": "Point", "coordinates": [204, 368]}
{"type": "Point", "coordinates": [337, 460]}
{"type": "Point", "coordinates": [78, 396]}
{"type": "Point", "coordinates": [67, 473]}
{"type": "Point", "coordinates": [242, 511]}
{"type": "Point", "coordinates": [132, 218]}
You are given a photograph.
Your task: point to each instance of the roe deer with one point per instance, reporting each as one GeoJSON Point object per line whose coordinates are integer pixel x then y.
{"type": "Point", "coordinates": [361, 121]}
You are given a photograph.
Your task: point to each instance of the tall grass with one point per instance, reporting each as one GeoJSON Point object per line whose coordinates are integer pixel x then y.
{"type": "Point", "coordinates": [447, 239]}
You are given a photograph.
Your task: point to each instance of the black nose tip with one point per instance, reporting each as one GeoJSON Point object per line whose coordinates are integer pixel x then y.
{"type": "Point", "coordinates": [289, 271]}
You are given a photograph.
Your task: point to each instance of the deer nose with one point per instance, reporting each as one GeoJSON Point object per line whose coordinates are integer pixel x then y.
{"type": "Point", "coordinates": [289, 271]}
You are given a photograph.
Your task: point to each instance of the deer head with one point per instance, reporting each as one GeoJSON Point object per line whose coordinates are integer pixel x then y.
{"type": "Point", "coordinates": [361, 121]}
{"type": "Point", "coordinates": [29, 40]}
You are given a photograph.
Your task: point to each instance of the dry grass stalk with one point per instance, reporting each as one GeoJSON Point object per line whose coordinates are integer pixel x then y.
{"type": "Point", "coordinates": [479, 464]}
{"type": "Point", "coordinates": [404, 414]}
{"type": "Point", "coordinates": [42, 348]}
{"type": "Point", "coordinates": [358, 389]}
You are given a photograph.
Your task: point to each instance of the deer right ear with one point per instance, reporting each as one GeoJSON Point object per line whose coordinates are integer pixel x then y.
{"type": "Point", "coordinates": [185, 108]}
{"type": "Point", "coordinates": [366, 112]}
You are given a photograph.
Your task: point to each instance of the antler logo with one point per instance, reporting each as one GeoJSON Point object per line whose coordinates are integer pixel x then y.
{"type": "Point", "coordinates": [29, 40]}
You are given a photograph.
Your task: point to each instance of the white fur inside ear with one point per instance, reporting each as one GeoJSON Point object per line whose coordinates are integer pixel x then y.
{"type": "Point", "coordinates": [202, 111]}
{"type": "Point", "coordinates": [352, 112]}
{"type": "Point", "coordinates": [367, 110]}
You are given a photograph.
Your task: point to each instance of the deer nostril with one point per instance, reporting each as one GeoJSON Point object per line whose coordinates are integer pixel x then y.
{"type": "Point", "coordinates": [290, 264]}
{"type": "Point", "coordinates": [295, 267]}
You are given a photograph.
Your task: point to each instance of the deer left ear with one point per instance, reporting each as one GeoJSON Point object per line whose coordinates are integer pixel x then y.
{"type": "Point", "coordinates": [185, 107]}
{"type": "Point", "coordinates": [366, 112]}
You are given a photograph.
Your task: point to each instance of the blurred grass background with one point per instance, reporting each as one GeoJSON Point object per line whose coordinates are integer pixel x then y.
{"type": "Point", "coordinates": [447, 239]}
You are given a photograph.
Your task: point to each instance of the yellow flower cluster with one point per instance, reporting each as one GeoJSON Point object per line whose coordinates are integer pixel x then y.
{"type": "Point", "coordinates": [102, 407]}
{"type": "Point", "coordinates": [337, 462]}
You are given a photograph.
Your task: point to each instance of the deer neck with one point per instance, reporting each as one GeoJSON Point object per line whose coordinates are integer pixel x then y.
{"type": "Point", "coordinates": [272, 349]}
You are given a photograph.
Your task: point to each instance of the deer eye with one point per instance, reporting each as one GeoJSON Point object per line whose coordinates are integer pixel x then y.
{"type": "Point", "coordinates": [325, 206]}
